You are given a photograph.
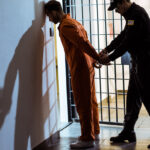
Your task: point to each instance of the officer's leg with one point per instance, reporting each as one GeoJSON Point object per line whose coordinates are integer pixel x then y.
{"type": "Point", "coordinates": [133, 108]}
{"type": "Point", "coordinates": [144, 80]}
{"type": "Point", "coordinates": [134, 104]}
{"type": "Point", "coordinates": [146, 100]}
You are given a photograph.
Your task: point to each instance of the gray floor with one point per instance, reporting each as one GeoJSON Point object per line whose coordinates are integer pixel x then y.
{"type": "Point", "coordinates": [71, 133]}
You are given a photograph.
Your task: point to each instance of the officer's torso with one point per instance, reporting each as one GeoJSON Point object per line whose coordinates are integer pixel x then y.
{"type": "Point", "coordinates": [138, 20]}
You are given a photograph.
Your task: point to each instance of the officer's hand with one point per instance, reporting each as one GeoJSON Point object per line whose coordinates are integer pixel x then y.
{"type": "Point", "coordinates": [104, 59]}
{"type": "Point", "coordinates": [103, 52]}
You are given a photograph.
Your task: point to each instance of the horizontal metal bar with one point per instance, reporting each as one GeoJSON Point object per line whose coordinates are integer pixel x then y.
{"type": "Point", "coordinates": [108, 78]}
{"type": "Point", "coordinates": [118, 65]}
{"type": "Point", "coordinates": [111, 123]}
{"type": "Point", "coordinates": [102, 34]}
{"type": "Point", "coordinates": [106, 93]}
{"type": "Point", "coordinates": [112, 78]}
{"type": "Point", "coordinates": [73, 105]}
{"type": "Point", "coordinates": [103, 122]}
{"type": "Point", "coordinates": [112, 93]}
{"type": "Point", "coordinates": [85, 5]}
{"type": "Point", "coordinates": [112, 108]}
{"type": "Point", "coordinates": [102, 19]}
{"type": "Point", "coordinates": [67, 125]}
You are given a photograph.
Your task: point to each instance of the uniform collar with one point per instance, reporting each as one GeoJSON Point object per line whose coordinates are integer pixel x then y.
{"type": "Point", "coordinates": [127, 14]}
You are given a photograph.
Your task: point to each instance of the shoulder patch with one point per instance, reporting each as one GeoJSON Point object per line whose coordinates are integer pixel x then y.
{"type": "Point", "coordinates": [130, 22]}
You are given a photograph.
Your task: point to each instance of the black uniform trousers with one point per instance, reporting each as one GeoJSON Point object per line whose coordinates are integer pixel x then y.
{"type": "Point", "coordinates": [138, 91]}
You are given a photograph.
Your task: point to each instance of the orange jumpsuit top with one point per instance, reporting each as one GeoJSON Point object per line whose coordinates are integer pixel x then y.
{"type": "Point", "coordinates": [77, 47]}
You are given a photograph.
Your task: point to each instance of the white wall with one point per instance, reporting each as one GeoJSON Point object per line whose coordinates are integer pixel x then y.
{"type": "Point", "coordinates": [63, 108]}
{"type": "Point", "coordinates": [28, 92]}
{"type": "Point", "coordinates": [145, 4]}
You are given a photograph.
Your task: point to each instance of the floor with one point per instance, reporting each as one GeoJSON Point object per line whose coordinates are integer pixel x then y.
{"type": "Point", "coordinates": [71, 133]}
{"type": "Point", "coordinates": [142, 129]}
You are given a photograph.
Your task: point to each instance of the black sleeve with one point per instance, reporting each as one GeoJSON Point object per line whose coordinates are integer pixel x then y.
{"type": "Point", "coordinates": [133, 31]}
{"type": "Point", "coordinates": [115, 42]}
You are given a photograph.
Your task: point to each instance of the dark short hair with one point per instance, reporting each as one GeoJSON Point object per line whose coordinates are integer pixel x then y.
{"type": "Point", "coordinates": [127, 0]}
{"type": "Point", "coordinates": [113, 4]}
{"type": "Point", "coordinates": [53, 5]}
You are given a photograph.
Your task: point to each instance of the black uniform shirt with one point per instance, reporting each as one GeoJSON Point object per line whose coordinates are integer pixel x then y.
{"type": "Point", "coordinates": [135, 38]}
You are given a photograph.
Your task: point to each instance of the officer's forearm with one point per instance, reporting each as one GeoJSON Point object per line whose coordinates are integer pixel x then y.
{"type": "Point", "coordinates": [114, 44]}
{"type": "Point", "coordinates": [118, 52]}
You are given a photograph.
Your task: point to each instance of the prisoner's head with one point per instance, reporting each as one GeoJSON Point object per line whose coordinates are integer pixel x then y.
{"type": "Point", "coordinates": [120, 6]}
{"type": "Point", "coordinates": [54, 11]}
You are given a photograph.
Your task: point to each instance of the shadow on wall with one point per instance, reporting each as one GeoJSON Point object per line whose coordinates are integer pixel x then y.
{"type": "Point", "coordinates": [27, 63]}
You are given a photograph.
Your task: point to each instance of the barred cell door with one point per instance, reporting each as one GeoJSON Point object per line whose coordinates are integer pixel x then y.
{"type": "Point", "coordinates": [111, 81]}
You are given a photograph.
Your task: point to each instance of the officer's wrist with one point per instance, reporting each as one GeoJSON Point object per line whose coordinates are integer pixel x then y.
{"type": "Point", "coordinates": [105, 51]}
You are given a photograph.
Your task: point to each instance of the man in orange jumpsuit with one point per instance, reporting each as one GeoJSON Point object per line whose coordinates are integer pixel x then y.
{"type": "Point", "coordinates": [80, 56]}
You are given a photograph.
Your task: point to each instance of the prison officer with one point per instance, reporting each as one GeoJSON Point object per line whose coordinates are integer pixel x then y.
{"type": "Point", "coordinates": [135, 38]}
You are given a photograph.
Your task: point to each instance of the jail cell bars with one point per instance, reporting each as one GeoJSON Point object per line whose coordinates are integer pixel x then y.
{"type": "Point", "coordinates": [111, 81]}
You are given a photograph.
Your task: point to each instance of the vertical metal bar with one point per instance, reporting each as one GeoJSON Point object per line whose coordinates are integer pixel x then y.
{"type": "Point", "coordinates": [123, 89]}
{"type": "Point", "coordinates": [99, 69]}
{"type": "Point", "coordinates": [116, 98]}
{"type": "Point", "coordinates": [107, 66]}
{"type": "Point", "coordinates": [64, 6]}
{"type": "Point", "coordinates": [70, 11]}
{"type": "Point", "coordinates": [75, 9]}
{"type": "Point", "coordinates": [82, 12]}
{"type": "Point", "coordinates": [71, 111]}
{"type": "Point", "coordinates": [90, 21]}
{"type": "Point", "coordinates": [72, 8]}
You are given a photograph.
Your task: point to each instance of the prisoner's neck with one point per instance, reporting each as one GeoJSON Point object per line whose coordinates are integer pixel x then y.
{"type": "Point", "coordinates": [62, 15]}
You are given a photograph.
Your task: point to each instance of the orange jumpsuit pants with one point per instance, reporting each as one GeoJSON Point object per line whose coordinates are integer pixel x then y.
{"type": "Point", "coordinates": [80, 55]}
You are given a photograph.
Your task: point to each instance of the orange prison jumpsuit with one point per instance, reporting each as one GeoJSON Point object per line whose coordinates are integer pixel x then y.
{"type": "Point", "coordinates": [78, 51]}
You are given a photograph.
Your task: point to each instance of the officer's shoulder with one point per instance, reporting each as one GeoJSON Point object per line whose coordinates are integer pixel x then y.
{"type": "Point", "coordinates": [139, 12]}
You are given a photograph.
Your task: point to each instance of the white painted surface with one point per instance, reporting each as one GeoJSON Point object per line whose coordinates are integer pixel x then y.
{"type": "Point", "coordinates": [62, 79]}
{"type": "Point", "coordinates": [28, 92]}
